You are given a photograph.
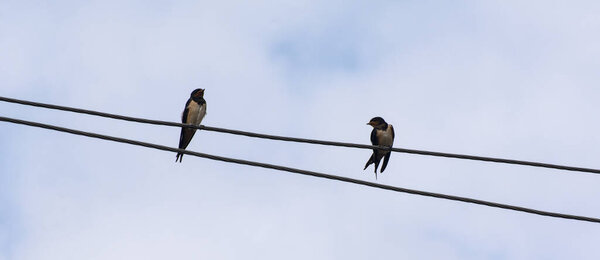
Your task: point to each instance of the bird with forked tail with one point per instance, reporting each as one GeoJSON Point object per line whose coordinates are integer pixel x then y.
{"type": "Point", "coordinates": [194, 112]}
{"type": "Point", "coordinates": [383, 135]}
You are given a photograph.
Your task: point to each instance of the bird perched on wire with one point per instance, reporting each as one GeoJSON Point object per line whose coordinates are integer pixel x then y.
{"type": "Point", "coordinates": [382, 134]}
{"type": "Point", "coordinates": [194, 112]}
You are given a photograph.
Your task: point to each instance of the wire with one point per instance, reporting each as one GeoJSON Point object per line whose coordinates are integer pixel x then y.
{"type": "Point", "coordinates": [303, 140]}
{"type": "Point", "coordinates": [304, 172]}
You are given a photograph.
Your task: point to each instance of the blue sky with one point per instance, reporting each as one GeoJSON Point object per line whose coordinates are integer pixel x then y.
{"type": "Point", "coordinates": [508, 79]}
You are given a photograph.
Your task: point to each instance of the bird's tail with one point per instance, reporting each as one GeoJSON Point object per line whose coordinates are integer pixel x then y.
{"type": "Point", "coordinates": [369, 162]}
{"type": "Point", "coordinates": [179, 157]}
{"type": "Point", "coordinates": [386, 159]}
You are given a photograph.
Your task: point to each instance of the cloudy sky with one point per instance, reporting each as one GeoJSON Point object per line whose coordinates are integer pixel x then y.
{"type": "Point", "coordinates": [511, 79]}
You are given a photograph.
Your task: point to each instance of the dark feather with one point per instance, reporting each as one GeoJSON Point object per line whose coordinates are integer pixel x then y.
{"type": "Point", "coordinates": [184, 115]}
{"type": "Point", "coordinates": [369, 162]}
{"type": "Point", "coordinates": [375, 158]}
{"type": "Point", "coordinates": [374, 140]}
{"type": "Point", "coordinates": [386, 159]}
{"type": "Point", "coordinates": [186, 133]}
{"type": "Point", "coordinates": [184, 139]}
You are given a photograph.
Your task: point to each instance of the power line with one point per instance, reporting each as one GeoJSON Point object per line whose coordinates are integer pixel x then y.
{"type": "Point", "coordinates": [304, 172]}
{"type": "Point", "coordinates": [302, 140]}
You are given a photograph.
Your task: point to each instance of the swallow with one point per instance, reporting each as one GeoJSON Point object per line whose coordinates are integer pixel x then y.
{"type": "Point", "coordinates": [194, 112]}
{"type": "Point", "coordinates": [382, 134]}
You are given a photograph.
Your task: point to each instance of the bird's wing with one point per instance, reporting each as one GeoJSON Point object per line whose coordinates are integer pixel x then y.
{"type": "Point", "coordinates": [184, 115]}
{"type": "Point", "coordinates": [374, 140]}
{"type": "Point", "coordinates": [386, 159]}
{"type": "Point", "coordinates": [185, 137]}
{"type": "Point", "coordinates": [186, 133]}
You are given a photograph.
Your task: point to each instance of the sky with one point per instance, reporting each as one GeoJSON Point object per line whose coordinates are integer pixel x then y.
{"type": "Point", "coordinates": [509, 79]}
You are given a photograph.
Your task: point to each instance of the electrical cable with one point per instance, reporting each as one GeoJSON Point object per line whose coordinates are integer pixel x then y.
{"type": "Point", "coordinates": [303, 172]}
{"type": "Point", "coordinates": [303, 140]}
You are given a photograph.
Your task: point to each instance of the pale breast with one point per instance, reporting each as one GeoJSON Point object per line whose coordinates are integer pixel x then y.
{"type": "Point", "coordinates": [196, 113]}
{"type": "Point", "coordinates": [385, 137]}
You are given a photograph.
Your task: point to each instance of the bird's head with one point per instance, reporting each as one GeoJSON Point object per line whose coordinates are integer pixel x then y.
{"type": "Point", "coordinates": [377, 122]}
{"type": "Point", "coordinates": [197, 93]}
